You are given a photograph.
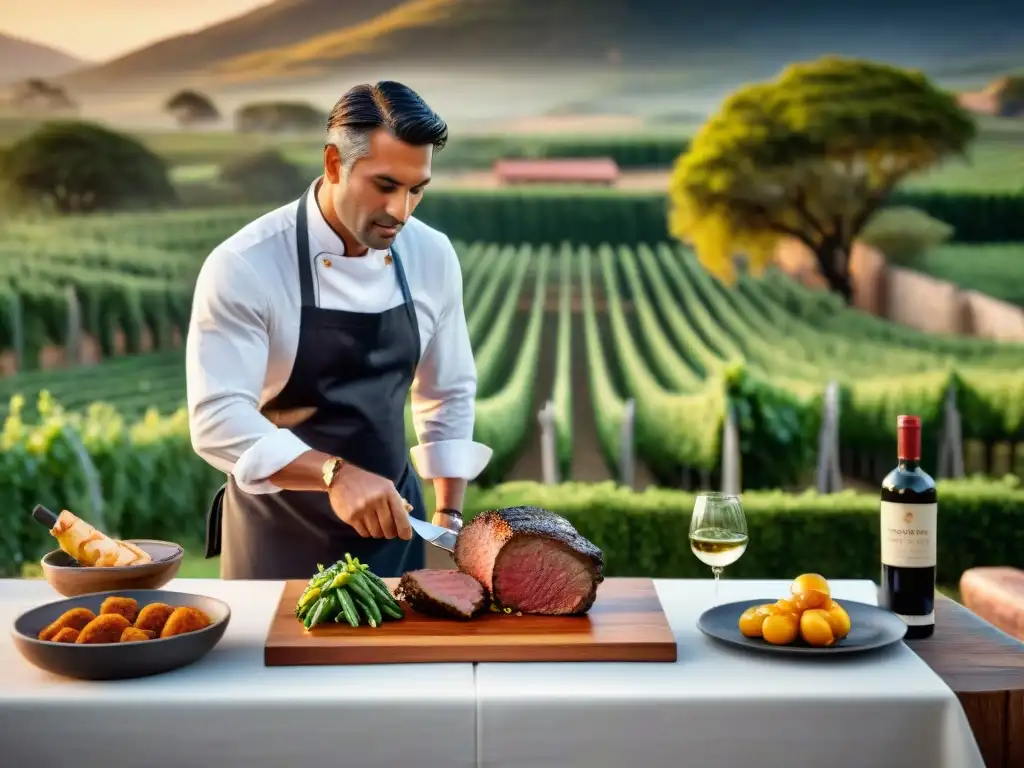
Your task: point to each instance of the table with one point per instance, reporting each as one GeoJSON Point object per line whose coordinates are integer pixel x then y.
{"type": "Point", "coordinates": [985, 667]}
{"type": "Point", "coordinates": [229, 707]}
{"type": "Point", "coordinates": [721, 707]}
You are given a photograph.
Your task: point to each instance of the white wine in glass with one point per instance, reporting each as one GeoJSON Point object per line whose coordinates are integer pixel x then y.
{"type": "Point", "coordinates": [718, 532]}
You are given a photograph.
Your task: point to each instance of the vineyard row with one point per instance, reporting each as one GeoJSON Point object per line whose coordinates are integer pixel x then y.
{"type": "Point", "coordinates": [662, 333]}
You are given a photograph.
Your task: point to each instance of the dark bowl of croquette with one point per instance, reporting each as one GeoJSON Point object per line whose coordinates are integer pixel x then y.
{"type": "Point", "coordinates": [120, 634]}
{"type": "Point", "coordinates": [71, 579]}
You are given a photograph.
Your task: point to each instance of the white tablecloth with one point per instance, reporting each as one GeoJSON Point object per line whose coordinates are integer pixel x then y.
{"type": "Point", "coordinates": [720, 707]}
{"type": "Point", "coordinates": [716, 706]}
{"type": "Point", "coordinates": [228, 709]}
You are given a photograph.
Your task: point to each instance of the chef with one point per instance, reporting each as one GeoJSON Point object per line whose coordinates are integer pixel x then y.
{"type": "Point", "coordinates": [310, 328]}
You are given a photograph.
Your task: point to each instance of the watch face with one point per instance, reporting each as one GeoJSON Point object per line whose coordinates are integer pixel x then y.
{"type": "Point", "coordinates": [329, 471]}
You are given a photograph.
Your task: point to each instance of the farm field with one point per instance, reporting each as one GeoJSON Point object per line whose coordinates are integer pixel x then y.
{"type": "Point", "coordinates": [994, 163]}
{"type": "Point", "coordinates": [654, 374]}
{"type": "Point", "coordinates": [588, 328]}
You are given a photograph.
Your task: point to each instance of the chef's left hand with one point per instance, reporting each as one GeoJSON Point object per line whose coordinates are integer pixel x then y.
{"type": "Point", "coordinates": [449, 521]}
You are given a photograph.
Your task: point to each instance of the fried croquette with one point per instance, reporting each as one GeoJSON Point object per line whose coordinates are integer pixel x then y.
{"type": "Point", "coordinates": [184, 619]}
{"type": "Point", "coordinates": [133, 635]}
{"type": "Point", "coordinates": [76, 618]}
{"type": "Point", "coordinates": [105, 628]}
{"type": "Point", "coordinates": [126, 606]}
{"type": "Point", "coordinates": [153, 617]}
{"type": "Point", "coordinates": [66, 635]}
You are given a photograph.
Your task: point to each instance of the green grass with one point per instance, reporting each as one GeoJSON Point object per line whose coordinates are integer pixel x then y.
{"type": "Point", "coordinates": [994, 164]}
{"type": "Point", "coordinates": [195, 566]}
{"type": "Point", "coordinates": [996, 270]}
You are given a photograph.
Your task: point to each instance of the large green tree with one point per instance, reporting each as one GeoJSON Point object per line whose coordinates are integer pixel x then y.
{"type": "Point", "coordinates": [81, 167]}
{"type": "Point", "coordinates": [811, 155]}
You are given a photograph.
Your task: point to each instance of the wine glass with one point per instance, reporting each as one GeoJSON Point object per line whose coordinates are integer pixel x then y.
{"type": "Point", "coordinates": [718, 531]}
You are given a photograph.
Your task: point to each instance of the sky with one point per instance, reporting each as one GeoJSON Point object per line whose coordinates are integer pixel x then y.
{"type": "Point", "coordinates": [101, 29]}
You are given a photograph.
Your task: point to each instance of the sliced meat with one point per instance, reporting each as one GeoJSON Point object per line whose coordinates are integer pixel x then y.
{"type": "Point", "coordinates": [448, 594]}
{"type": "Point", "coordinates": [531, 560]}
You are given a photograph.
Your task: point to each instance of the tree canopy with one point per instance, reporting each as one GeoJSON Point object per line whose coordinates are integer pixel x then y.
{"type": "Point", "coordinates": [279, 117]}
{"type": "Point", "coordinates": [39, 95]}
{"type": "Point", "coordinates": [811, 155]}
{"type": "Point", "coordinates": [190, 107]}
{"type": "Point", "coordinates": [80, 167]}
{"type": "Point", "coordinates": [263, 175]}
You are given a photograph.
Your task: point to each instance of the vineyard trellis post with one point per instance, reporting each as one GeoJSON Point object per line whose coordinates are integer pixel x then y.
{"type": "Point", "coordinates": [731, 480]}
{"type": "Point", "coordinates": [548, 453]}
{"type": "Point", "coordinates": [951, 447]}
{"type": "Point", "coordinates": [18, 331]}
{"type": "Point", "coordinates": [627, 453]}
{"type": "Point", "coordinates": [74, 340]}
{"type": "Point", "coordinates": [830, 479]}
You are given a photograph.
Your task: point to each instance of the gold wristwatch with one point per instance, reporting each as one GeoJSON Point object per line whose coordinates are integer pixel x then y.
{"type": "Point", "coordinates": [331, 468]}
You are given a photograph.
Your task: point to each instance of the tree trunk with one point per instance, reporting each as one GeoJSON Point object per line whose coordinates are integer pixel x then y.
{"type": "Point", "coordinates": [834, 263]}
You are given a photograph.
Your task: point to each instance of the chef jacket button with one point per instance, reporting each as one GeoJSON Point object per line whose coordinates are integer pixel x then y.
{"type": "Point", "coordinates": [327, 262]}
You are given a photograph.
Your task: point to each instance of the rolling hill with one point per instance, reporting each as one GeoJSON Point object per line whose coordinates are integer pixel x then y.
{"type": "Point", "coordinates": [20, 58]}
{"type": "Point", "coordinates": [303, 40]}
{"type": "Point", "coordinates": [269, 27]}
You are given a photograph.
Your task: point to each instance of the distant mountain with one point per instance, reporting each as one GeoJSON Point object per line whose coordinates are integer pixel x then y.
{"type": "Point", "coordinates": [269, 27]}
{"type": "Point", "coordinates": [301, 40]}
{"type": "Point", "coordinates": [20, 59]}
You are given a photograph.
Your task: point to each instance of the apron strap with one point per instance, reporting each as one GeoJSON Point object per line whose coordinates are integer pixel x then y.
{"type": "Point", "coordinates": [302, 247]}
{"type": "Point", "coordinates": [403, 283]}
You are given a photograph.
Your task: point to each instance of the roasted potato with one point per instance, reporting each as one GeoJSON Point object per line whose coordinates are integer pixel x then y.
{"type": "Point", "coordinates": [105, 628]}
{"type": "Point", "coordinates": [76, 618]}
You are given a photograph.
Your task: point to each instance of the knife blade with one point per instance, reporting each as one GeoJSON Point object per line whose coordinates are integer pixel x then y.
{"type": "Point", "coordinates": [435, 534]}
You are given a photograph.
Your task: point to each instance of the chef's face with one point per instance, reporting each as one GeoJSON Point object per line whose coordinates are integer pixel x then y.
{"type": "Point", "coordinates": [378, 194]}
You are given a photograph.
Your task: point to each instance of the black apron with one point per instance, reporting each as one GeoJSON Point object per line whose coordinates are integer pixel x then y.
{"type": "Point", "coordinates": [352, 375]}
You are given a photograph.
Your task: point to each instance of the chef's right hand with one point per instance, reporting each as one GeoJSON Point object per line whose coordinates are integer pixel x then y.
{"type": "Point", "coordinates": [369, 503]}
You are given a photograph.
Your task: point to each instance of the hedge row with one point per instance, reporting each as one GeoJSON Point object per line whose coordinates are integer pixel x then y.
{"type": "Point", "coordinates": [587, 216]}
{"type": "Point", "coordinates": [629, 151]}
{"type": "Point", "coordinates": [533, 215]}
{"type": "Point", "coordinates": [152, 483]}
{"type": "Point", "coordinates": [641, 533]}
{"type": "Point", "coordinates": [981, 522]}
{"type": "Point", "coordinates": [975, 217]}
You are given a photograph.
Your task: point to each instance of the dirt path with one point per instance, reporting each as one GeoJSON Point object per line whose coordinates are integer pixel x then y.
{"type": "Point", "coordinates": [530, 465]}
{"type": "Point", "coordinates": [588, 464]}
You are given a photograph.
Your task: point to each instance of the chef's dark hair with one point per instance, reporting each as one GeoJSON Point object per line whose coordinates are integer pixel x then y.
{"type": "Point", "coordinates": [387, 104]}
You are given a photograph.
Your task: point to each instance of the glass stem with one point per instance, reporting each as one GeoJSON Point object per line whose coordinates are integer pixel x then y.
{"type": "Point", "coordinates": [718, 572]}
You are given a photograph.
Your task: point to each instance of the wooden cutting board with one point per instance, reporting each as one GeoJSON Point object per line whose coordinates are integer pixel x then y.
{"type": "Point", "coordinates": [627, 623]}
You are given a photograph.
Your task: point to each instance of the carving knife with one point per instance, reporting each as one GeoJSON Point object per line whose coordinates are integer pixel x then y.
{"type": "Point", "coordinates": [435, 534]}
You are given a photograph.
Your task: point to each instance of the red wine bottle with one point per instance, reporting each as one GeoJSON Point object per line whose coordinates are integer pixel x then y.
{"type": "Point", "coordinates": [909, 520]}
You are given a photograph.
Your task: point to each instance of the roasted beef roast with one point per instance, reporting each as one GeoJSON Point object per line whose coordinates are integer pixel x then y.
{"type": "Point", "coordinates": [447, 594]}
{"type": "Point", "coordinates": [531, 560]}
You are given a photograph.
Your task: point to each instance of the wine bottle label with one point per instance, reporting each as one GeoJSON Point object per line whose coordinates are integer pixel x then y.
{"type": "Point", "coordinates": [908, 534]}
{"type": "Point", "coordinates": [917, 621]}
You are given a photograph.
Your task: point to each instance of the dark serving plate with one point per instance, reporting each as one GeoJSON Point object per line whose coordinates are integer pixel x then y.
{"type": "Point", "coordinates": [116, 661]}
{"type": "Point", "coordinates": [871, 627]}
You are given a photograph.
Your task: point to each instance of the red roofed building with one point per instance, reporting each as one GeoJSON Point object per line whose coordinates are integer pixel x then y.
{"type": "Point", "coordinates": [597, 170]}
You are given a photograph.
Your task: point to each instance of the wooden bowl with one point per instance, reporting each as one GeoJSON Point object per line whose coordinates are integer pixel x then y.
{"type": "Point", "coordinates": [71, 579]}
{"type": "Point", "coordinates": [118, 661]}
